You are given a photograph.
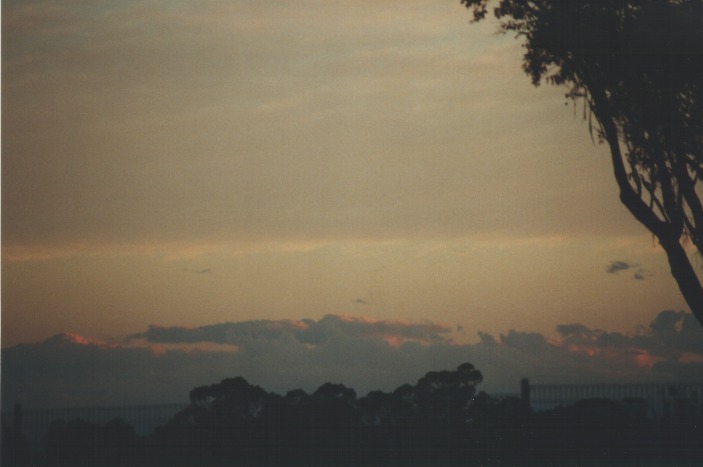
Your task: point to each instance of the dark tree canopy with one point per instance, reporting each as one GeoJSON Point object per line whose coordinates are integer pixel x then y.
{"type": "Point", "coordinates": [638, 67]}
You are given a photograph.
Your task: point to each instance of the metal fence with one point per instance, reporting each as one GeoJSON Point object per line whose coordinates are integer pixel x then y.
{"type": "Point", "coordinates": [144, 418]}
{"type": "Point", "coordinates": [660, 398]}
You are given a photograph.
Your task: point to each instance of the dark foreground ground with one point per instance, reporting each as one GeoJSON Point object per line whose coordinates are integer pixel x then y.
{"type": "Point", "coordinates": [440, 421]}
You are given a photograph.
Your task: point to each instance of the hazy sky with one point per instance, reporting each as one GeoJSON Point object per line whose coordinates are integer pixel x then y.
{"type": "Point", "coordinates": [188, 163]}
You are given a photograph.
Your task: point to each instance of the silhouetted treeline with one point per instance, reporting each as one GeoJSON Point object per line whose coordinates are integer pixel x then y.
{"type": "Point", "coordinates": [236, 421]}
{"type": "Point", "coordinates": [440, 420]}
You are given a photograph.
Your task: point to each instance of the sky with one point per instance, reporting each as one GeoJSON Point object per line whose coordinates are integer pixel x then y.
{"type": "Point", "coordinates": [191, 164]}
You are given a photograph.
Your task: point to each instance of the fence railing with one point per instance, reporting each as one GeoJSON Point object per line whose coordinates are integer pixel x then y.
{"type": "Point", "coordinates": [659, 397]}
{"type": "Point", "coordinates": [144, 418]}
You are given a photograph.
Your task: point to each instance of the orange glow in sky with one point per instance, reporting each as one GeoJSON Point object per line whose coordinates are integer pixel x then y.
{"type": "Point", "coordinates": [189, 163]}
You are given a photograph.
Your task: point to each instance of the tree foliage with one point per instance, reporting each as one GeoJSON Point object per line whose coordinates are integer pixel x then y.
{"type": "Point", "coordinates": [440, 420]}
{"type": "Point", "coordinates": [235, 421]}
{"type": "Point", "coordinates": [638, 67]}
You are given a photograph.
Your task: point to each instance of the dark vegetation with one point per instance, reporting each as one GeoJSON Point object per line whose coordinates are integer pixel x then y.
{"type": "Point", "coordinates": [637, 67]}
{"type": "Point", "coordinates": [441, 420]}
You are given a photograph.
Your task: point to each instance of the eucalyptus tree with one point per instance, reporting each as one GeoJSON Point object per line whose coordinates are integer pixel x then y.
{"type": "Point", "coordinates": [638, 67]}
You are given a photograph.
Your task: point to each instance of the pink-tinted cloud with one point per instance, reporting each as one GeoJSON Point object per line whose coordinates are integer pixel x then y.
{"type": "Point", "coordinates": [164, 363]}
{"type": "Point", "coordinates": [305, 331]}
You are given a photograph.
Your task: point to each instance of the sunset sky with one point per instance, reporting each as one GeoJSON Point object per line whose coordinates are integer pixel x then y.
{"type": "Point", "coordinates": [181, 163]}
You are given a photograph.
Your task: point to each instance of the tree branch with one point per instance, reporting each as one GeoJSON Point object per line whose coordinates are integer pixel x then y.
{"type": "Point", "coordinates": [632, 201]}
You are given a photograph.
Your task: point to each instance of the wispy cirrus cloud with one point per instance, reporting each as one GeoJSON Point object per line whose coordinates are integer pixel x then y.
{"type": "Point", "coordinates": [100, 97]}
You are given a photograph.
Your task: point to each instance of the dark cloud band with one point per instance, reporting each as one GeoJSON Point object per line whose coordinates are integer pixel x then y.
{"type": "Point", "coordinates": [164, 363]}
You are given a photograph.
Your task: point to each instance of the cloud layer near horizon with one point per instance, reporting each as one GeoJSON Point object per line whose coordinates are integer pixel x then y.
{"type": "Point", "coordinates": [164, 363]}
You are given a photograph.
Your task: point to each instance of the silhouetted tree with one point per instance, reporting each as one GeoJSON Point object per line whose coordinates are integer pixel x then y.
{"type": "Point", "coordinates": [236, 397]}
{"type": "Point", "coordinates": [638, 67]}
{"type": "Point", "coordinates": [443, 396]}
{"type": "Point", "coordinates": [333, 405]}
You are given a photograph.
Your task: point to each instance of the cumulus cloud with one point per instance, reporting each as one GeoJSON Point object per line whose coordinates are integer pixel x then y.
{"type": "Point", "coordinates": [306, 331]}
{"type": "Point", "coordinates": [221, 333]}
{"type": "Point", "coordinates": [162, 364]}
{"type": "Point", "coordinates": [673, 338]}
{"type": "Point", "coordinates": [678, 330]}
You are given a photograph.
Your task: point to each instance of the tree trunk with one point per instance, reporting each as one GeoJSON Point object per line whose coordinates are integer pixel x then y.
{"type": "Point", "coordinates": [669, 234]}
{"type": "Point", "coordinates": [685, 276]}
